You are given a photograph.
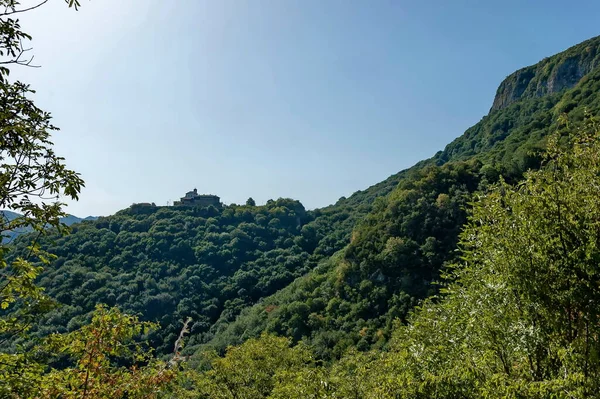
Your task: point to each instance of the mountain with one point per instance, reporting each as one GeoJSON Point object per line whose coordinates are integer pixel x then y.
{"type": "Point", "coordinates": [10, 215]}
{"type": "Point", "coordinates": [12, 234]}
{"type": "Point", "coordinates": [411, 231]}
{"type": "Point", "coordinates": [70, 220]}
{"type": "Point", "coordinates": [335, 277]}
{"type": "Point", "coordinates": [551, 75]}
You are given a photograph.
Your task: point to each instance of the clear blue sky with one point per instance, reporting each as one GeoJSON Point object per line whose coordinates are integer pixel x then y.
{"type": "Point", "coordinates": [309, 99]}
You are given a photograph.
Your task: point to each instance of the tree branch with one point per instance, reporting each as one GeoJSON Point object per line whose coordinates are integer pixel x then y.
{"type": "Point", "coordinates": [19, 61]}
{"type": "Point", "coordinates": [4, 14]}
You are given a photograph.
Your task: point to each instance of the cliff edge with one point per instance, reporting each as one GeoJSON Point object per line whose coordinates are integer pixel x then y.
{"type": "Point", "coordinates": [561, 71]}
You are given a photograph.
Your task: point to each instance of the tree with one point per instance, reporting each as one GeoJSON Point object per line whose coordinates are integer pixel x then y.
{"type": "Point", "coordinates": [92, 351]}
{"type": "Point", "coordinates": [251, 370]}
{"type": "Point", "coordinates": [250, 202]}
{"type": "Point", "coordinates": [519, 315]}
{"type": "Point", "coordinates": [32, 178]}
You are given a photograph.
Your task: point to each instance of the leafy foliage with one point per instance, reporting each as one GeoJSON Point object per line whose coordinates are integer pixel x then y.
{"type": "Point", "coordinates": [518, 315]}
{"type": "Point", "coordinates": [170, 263]}
{"type": "Point", "coordinates": [251, 370]}
{"type": "Point", "coordinates": [92, 351]}
{"type": "Point", "coordinates": [411, 232]}
{"type": "Point", "coordinates": [85, 363]}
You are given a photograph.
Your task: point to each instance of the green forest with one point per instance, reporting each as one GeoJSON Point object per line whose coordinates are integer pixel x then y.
{"type": "Point", "coordinates": [473, 274]}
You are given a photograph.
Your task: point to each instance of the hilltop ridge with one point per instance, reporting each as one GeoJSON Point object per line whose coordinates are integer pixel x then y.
{"type": "Point", "coordinates": [551, 75]}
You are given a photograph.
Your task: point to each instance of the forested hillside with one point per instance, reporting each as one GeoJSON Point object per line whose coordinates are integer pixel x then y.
{"type": "Point", "coordinates": [211, 264]}
{"type": "Point", "coordinates": [400, 247]}
{"type": "Point", "coordinates": [471, 274]}
{"type": "Point", "coordinates": [517, 318]}
{"type": "Point", "coordinates": [170, 263]}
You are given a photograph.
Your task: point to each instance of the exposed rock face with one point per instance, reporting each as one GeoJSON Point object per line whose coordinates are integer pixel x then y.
{"type": "Point", "coordinates": [550, 75]}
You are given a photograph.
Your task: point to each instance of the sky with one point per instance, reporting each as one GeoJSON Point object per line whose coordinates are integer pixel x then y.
{"type": "Point", "coordinates": [306, 99]}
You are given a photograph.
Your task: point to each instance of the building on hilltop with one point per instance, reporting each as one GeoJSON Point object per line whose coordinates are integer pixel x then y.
{"type": "Point", "coordinates": [192, 198]}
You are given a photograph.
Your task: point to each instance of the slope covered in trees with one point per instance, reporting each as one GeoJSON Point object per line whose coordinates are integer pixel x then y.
{"type": "Point", "coordinates": [351, 292]}
{"type": "Point", "coordinates": [517, 318]}
{"type": "Point", "coordinates": [399, 248]}
{"type": "Point", "coordinates": [343, 278]}
{"type": "Point", "coordinates": [167, 264]}
{"type": "Point", "coordinates": [170, 263]}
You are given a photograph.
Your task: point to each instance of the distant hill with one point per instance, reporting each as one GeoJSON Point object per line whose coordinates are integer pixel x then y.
{"type": "Point", "coordinates": [11, 235]}
{"type": "Point", "coordinates": [71, 219]}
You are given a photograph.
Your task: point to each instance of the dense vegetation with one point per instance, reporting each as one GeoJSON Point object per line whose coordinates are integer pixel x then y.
{"type": "Point", "coordinates": [517, 318]}
{"type": "Point", "coordinates": [102, 359]}
{"type": "Point", "coordinates": [168, 263]}
{"type": "Point", "coordinates": [398, 249]}
{"type": "Point", "coordinates": [396, 254]}
{"type": "Point", "coordinates": [472, 274]}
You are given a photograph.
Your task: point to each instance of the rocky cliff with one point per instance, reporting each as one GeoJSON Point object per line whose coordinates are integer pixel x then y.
{"type": "Point", "coordinates": [551, 75]}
